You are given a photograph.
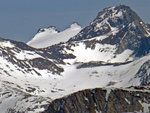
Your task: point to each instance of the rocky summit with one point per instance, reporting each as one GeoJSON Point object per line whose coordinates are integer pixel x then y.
{"type": "Point", "coordinates": [101, 68]}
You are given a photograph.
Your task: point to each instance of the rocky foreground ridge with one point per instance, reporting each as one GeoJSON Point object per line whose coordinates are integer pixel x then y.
{"type": "Point", "coordinates": [103, 101]}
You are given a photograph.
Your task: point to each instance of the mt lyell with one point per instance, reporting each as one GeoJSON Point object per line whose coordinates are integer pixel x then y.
{"type": "Point", "coordinates": [101, 68]}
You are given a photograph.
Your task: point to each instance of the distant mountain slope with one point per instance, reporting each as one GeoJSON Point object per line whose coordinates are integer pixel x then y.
{"type": "Point", "coordinates": [50, 36]}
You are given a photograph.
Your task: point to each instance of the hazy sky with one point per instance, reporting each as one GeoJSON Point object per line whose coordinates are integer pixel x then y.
{"type": "Point", "coordinates": [20, 19]}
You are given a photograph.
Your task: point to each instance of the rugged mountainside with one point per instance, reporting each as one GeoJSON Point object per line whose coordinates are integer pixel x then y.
{"type": "Point", "coordinates": [102, 101]}
{"type": "Point", "coordinates": [121, 27]}
{"type": "Point", "coordinates": [111, 53]}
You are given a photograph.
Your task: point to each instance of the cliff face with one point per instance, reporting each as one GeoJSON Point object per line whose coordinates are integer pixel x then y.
{"type": "Point", "coordinates": [102, 101]}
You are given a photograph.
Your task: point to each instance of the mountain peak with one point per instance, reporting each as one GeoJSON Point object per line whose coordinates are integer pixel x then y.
{"type": "Point", "coordinates": [51, 29]}
{"type": "Point", "coordinates": [51, 36]}
{"type": "Point", "coordinates": [75, 25]}
{"type": "Point", "coordinates": [120, 14]}
{"type": "Point", "coordinates": [110, 21]}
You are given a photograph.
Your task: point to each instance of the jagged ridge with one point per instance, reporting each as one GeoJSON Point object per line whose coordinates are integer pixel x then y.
{"type": "Point", "coordinates": [102, 101]}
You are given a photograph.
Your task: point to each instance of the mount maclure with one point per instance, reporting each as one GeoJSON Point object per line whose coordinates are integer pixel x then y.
{"type": "Point", "coordinates": [101, 68]}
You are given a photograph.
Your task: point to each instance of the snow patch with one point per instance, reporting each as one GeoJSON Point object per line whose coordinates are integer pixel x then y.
{"type": "Point", "coordinates": [107, 93]}
{"type": "Point", "coordinates": [6, 44]}
{"type": "Point", "coordinates": [127, 101]}
{"type": "Point", "coordinates": [145, 106]}
{"type": "Point", "coordinates": [23, 55]}
{"type": "Point", "coordinates": [102, 52]}
{"type": "Point", "coordinates": [123, 57]}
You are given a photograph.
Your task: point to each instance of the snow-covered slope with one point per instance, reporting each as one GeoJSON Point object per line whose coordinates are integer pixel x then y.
{"type": "Point", "coordinates": [78, 74]}
{"type": "Point", "coordinates": [50, 36]}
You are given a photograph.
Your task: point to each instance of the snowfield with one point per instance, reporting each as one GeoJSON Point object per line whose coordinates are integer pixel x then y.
{"type": "Point", "coordinates": [50, 36]}
{"type": "Point", "coordinates": [73, 79]}
{"type": "Point", "coordinates": [51, 86]}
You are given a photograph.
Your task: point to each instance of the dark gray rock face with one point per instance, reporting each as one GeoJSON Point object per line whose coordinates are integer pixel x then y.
{"type": "Point", "coordinates": [144, 73]}
{"type": "Point", "coordinates": [120, 17]}
{"type": "Point", "coordinates": [102, 101]}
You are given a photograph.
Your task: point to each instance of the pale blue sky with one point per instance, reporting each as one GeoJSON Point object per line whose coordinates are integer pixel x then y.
{"type": "Point", "coordinates": [20, 19]}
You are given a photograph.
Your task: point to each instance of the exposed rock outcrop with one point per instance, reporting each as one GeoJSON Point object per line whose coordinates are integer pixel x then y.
{"type": "Point", "coordinates": [102, 101]}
